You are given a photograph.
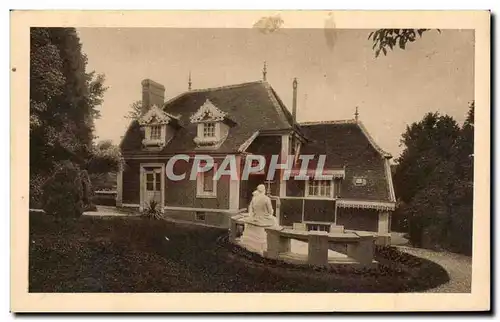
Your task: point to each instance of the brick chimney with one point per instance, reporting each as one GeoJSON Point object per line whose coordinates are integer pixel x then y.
{"type": "Point", "coordinates": [294, 104]}
{"type": "Point", "coordinates": [153, 93]}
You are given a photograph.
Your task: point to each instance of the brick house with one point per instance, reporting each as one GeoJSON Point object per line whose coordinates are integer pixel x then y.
{"type": "Point", "coordinates": [250, 119]}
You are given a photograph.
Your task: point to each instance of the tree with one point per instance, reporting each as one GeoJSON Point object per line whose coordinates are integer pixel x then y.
{"type": "Point", "coordinates": [135, 110]}
{"type": "Point", "coordinates": [63, 193]}
{"type": "Point", "coordinates": [106, 160]}
{"type": "Point", "coordinates": [426, 143]}
{"type": "Point", "coordinates": [384, 39]}
{"type": "Point", "coordinates": [64, 101]}
{"type": "Point", "coordinates": [106, 157]}
{"type": "Point", "coordinates": [433, 179]}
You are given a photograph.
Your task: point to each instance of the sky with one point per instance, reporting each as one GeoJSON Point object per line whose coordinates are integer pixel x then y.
{"type": "Point", "coordinates": [336, 71]}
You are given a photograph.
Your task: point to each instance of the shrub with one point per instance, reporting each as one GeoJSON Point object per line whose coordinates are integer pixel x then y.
{"type": "Point", "coordinates": [153, 210]}
{"type": "Point", "coordinates": [36, 190]}
{"type": "Point", "coordinates": [87, 190]}
{"type": "Point", "coordinates": [63, 192]}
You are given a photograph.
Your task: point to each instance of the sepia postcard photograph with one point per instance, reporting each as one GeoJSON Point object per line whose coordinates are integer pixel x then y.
{"type": "Point", "coordinates": [250, 161]}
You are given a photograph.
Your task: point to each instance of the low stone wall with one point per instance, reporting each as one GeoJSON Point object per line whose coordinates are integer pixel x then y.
{"type": "Point", "coordinates": [275, 243]}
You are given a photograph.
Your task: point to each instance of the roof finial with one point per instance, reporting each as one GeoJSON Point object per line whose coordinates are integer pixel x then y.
{"type": "Point", "coordinates": [264, 72]}
{"type": "Point", "coordinates": [189, 81]}
{"type": "Point", "coordinates": [356, 115]}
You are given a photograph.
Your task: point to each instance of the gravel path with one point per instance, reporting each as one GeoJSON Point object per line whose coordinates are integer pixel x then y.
{"type": "Point", "coordinates": [459, 268]}
{"type": "Point", "coordinates": [108, 211]}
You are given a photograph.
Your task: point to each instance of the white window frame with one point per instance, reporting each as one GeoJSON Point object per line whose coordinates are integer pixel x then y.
{"type": "Point", "coordinates": [330, 196]}
{"type": "Point", "coordinates": [200, 185]}
{"type": "Point", "coordinates": [209, 127]}
{"type": "Point", "coordinates": [155, 132]}
{"type": "Point", "coordinates": [149, 141]}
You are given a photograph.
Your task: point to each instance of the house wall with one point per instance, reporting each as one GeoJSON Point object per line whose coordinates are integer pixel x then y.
{"type": "Point", "coordinates": [131, 182]}
{"type": "Point", "coordinates": [244, 200]}
{"type": "Point", "coordinates": [290, 211]}
{"type": "Point", "coordinates": [183, 193]}
{"type": "Point", "coordinates": [358, 219]}
{"type": "Point", "coordinates": [218, 219]}
{"type": "Point", "coordinates": [319, 210]}
{"type": "Point", "coordinates": [295, 188]}
{"type": "Point", "coordinates": [177, 193]}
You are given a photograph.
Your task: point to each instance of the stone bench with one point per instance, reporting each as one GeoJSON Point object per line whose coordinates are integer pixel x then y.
{"type": "Point", "coordinates": [360, 247]}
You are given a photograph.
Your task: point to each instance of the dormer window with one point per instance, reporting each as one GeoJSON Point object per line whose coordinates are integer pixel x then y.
{"type": "Point", "coordinates": [359, 181]}
{"type": "Point", "coordinates": [208, 130]}
{"type": "Point", "coordinates": [155, 123]}
{"type": "Point", "coordinates": [212, 125]}
{"type": "Point", "coordinates": [155, 132]}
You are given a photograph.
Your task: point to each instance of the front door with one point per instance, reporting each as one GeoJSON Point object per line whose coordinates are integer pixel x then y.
{"type": "Point", "coordinates": [153, 186]}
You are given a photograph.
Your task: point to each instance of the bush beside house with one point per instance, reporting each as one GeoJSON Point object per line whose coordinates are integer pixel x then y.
{"type": "Point", "coordinates": [63, 193]}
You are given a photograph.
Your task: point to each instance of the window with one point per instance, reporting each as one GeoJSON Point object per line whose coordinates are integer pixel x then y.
{"type": "Point", "coordinates": [206, 185]}
{"type": "Point", "coordinates": [150, 181]}
{"type": "Point", "coordinates": [208, 181]}
{"type": "Point", "coordinates": [200, 216]}
{"type": "Point", "coordinates": [155, 132]}
{"type": "Point", "coordinates": [337, 184]}
{"type": "Point", "coordinates": [359, 182]}
{"type": "Point", "coordinates": [153, 181]}
{"type": "Point", "coordinates": [319, 188]}
{"type": "Point", "coordinates": [209, 130]}
{"type": "Point", "coordinates": [318, 227]}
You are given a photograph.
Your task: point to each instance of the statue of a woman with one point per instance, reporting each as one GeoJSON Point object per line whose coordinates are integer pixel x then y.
{"type": "Point", "coordinates": [262, 208]}
{"type": "Point", "coordinates": [250, 206]}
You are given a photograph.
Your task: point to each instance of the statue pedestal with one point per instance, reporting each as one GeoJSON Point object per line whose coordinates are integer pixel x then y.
{"type": "Point", "coordinates": [254, 236]}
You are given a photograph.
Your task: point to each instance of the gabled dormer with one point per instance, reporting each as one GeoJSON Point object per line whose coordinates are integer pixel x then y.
{"type": "Point", "coordinates": [158, 129]}
{"type": "Point", "coordinates": [212, 125]}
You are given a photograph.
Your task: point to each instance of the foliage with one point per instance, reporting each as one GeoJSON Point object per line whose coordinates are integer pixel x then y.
{"type": "Point", "coordinates": [427, 143]}
{"type": "Point", "coordinates": [36, 191]}
{"type": "Point", "coordinates": [135, 110]}
{"type": "Point", "coordinates": [153, 210]}
{"type": "Point", "coordinates": [434, 182]}
{"type": "Point", "coordinates": [63, 192]}
{"type": "Point", "coordinates": [103, 181]}
{"type": "Point", "coordinates": [384, 39]}
{"type": "Point", "coordinates": [63, 102]}
{"type": "Point", "coordinates": [106, 157]}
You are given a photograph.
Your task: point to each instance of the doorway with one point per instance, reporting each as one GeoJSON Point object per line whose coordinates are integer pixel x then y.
{"type": "Point", "coordinates": [153, 185]}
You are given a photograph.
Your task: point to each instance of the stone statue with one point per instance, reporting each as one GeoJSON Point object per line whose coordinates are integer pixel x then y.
{"type": "Point", "coordinates": [250, 206]}
{"type": "Point", "coordinates": [261, 209]}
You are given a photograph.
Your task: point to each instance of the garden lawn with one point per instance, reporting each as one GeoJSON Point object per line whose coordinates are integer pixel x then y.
{"type": "Point", "coordinates": [133, 254]}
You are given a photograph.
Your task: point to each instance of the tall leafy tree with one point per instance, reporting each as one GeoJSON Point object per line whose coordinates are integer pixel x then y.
{"type": "Point", "coordinates": [64, 99]}
{"type": "Point", "coordinates": [135, 110]}
{"type": "Point", "coordinates": [433, 179]}
{"type": "Point", "coordinates": [426, 143]}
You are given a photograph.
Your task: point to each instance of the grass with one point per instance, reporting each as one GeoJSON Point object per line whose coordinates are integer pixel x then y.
{"type": "Point", "coordinates": [92, 254]}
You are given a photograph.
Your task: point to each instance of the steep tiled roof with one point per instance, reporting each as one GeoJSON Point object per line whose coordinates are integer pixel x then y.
{"type": "Point", "coordinates": [252, 106]}
{"type": "Point", "coordinates": [347, 144]}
